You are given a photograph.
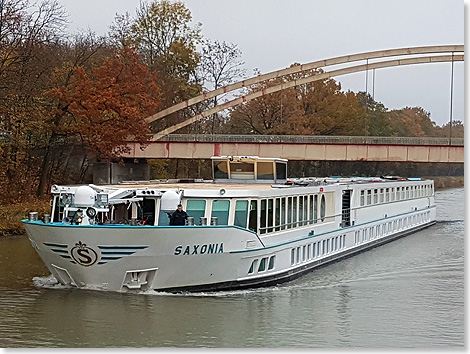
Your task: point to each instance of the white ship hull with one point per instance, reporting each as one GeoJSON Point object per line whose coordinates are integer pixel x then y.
{"type": "Point", "coordinates": [197, 258]}
{"type": "Point", "coordinates": [267, 233]}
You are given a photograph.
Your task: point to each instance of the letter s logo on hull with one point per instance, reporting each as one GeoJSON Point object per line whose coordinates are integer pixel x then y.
{"type": "Point", "coordinates": [83, 255]}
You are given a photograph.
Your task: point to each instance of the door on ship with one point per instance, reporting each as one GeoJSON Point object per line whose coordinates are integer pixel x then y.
{"type": "Point", "coordinates": [346, 208]}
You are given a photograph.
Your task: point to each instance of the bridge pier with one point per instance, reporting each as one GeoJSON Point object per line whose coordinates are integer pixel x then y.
{"type": "Point", "coordinates": [115, 172]}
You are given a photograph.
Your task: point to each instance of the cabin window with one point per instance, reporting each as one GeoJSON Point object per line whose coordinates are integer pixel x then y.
{"type": "Point", "coordinates": [310, 215]}
{"type": "Point", "coordinates": [369, 197]}
{"type": "Point", "coordinates": [362, 198]}
{"type": "Point", "coordinates": [253, 224]}
{"type": "Point", "coordinates": [376, 196]}
{"type": "Point", "coordinates": [262, 227]}
{"type": "Point", "coordinates": [322, 208]}
{"type": "Point", "coordinates": [270, 214]}
{"type": "Point", "coordinates": [308, 251]}
{"type": "Point", "coordinates": [253, 266]}
{"type": "Point", "coordinates": [314, 247]}
{"type": "Point", "coordinates": [242, 170]}
{"type": "Point", "coordinates": [241, 213]}
{"type": "Point", "coordinates": [283, 213]}
{"type": "Point", "coordinates": [278, 214]}
{"type": "Point", "coordinates": [265, 170]}
{"type": "Point", "coordinates": [220, 169]}
{"type": "Point", "coordinates": [271, 262]}
{"type": "Point", "coordinates": [392, 194]}
{"type": "Point", "coordinates": [294, 211]}
{"type": "Point", "coordinates": [292, 256]}
{"type": "Point", "coordinates": [304, 253]}
{"type": "Point", "coordinates": [262, 265]}
{"type": "Point", "coordinates": [381, 200]}
{"type": "Point", "coordinates": [387, 195]}
{"type": "Point", "coordinates": [301, 210]}
{"type": "Point", "coordinates": [305, 210]}
{"type": "Point", "coordinates": [281, 170]}
{"type": "Point", "coordinates": [220, 209]}
{"type": "Point", "coordinates": [289, 212]}
{"type": "Point", "coordinates": [315, 209]}
{"type": "Point", "coordinates": [195, 209]}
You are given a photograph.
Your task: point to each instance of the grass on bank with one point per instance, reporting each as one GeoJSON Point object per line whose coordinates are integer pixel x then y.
{"type": "Point", "coordinates": [12, 214]}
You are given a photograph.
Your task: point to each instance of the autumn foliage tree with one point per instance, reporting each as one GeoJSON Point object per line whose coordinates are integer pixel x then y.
{"type": "Point", "coordinates": [103, 109]}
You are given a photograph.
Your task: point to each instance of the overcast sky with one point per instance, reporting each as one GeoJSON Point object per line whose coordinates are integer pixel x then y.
{"type": "Point", "coordinates": [273, 34]}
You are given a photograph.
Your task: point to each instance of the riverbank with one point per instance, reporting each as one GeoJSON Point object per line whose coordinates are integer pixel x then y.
{"type": "Point", "coordinates": [12, 214]}
{"type": "Point", "coordinates": [443, 182]}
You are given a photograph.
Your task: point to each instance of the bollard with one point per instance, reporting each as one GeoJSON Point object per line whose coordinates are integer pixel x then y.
{"type": "Point", "coordinates": [214, 220]}
{"type": "Point", "coordinates": [203, 221]}
{"type": "Point", "coordinates": [33, 216]}
{"type": "Point", "coordinates": [190, 221]}
{"type": "Point", "coordinates": [47, 218]}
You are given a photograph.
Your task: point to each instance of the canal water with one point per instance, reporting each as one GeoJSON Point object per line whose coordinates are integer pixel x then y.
{"type": "Point", "coordinates": [405, 294]}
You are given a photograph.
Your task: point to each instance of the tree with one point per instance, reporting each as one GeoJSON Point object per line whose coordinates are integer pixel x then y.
{"type": "Point", "coordinates": [220, 66]}
{"type": "Point", "coordinates": [411, 122]}
{"type": "Point", "coordinates": [319, 108]}
{"type": "Point", "coordinates": [102, 110]}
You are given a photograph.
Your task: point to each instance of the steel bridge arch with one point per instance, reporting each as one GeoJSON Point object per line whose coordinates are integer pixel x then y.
{"type": "Point", "coordinates": [305, 67]}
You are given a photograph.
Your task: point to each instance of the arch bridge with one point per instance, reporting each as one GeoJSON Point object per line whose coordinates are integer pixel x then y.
{"type": "Point", "coordinates": [348, 63]}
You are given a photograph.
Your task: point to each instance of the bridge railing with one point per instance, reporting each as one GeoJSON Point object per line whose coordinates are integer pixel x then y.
{"type": "Point", "coordinates": [309, 139]}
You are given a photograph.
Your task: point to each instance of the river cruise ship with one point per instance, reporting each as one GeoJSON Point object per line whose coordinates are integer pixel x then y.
{"type": "Point", "coordinates": [250, 226]}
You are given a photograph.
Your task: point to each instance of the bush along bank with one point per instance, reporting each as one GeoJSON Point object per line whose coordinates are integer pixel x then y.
{"type": "Point", "coordinates": [12, 214]}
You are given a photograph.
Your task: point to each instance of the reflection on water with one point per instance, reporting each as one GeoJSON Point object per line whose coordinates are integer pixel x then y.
{"type": "Point", "coordinates": [406, 294]}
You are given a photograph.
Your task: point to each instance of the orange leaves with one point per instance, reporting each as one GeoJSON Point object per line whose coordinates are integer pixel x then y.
{"type": "Point", "coordinates": [108, 106]}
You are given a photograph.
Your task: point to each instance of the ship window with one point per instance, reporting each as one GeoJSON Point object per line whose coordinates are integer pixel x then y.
{"type": "Point", "coordinates": [325, 249]}
{"type": "Point", "coordinates": [387, 195]}
{"type": "Point", "coordinates": [392, 194]}
{"type": "Point", "coordinates": [298, 255]}
{"type": "Point", "coordinates": [283, 213]}
{"type": "Point", "coordinates": [272, 259]}
{"type": "Point", "coordinates": [322, 208]}
{"type": "Point", "coordinates": [301, 210]}
{"type": "Point", "coordinates": [262, 227]}
{"type": "Point", "coordinates": [314, 246]}
{"type": "Point", "coordinates": [362, 198]}
{"type": "Point", "coordinates": [315, 209]}
{"type": "Point", "coordinates": [253, 266]}
{"type": "Point", "coordinates": [278, 213]}
{"type": "Point", "coordinates": [265, 170]}
{"type": "Point", "coordinates": [308, 251]}
{"type": "Point", "coordinates": [310, 216]}
{"type": "Point", "coordinates": [304, 253]}
{"type": "Point", "coordinates": [294, 211]}
{"type": "Point", "coordinates": [242, 170]}
{"type": "Point", "coordinates": [262, 265]}
{"type": "Point", "coordinates": [369, 197]}
{"type": "Point", "coordinates": [220, 169]}
{"type": "Point", "coordinates": [253, 224]}
{"type": "Point", "coordinates": [376, 196]}
{"type": "Point", "coordinates": [305, 210]}
{"type": "Point", "coordinates": [163, 218]}
{"type": "Point", "coordinates": [381, 200]}
{"type": "Point", "coordinates": [195, 209]}
{"type": "Point", "coordinates": [270, 214]}
{"type": "Point", "coordinates": [292, 256]}
{"type": "Point", "coordinates": [289, 212]}
{"type": "Point", "coordinates": [281, 170]}
{"type": "Point", "coordinates": [220, 210]}
{"type": "Point", "coordinates": [241, 213]}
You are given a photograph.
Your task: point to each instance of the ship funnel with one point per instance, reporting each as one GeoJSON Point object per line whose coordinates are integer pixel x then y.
{"type": "Point", "coordinates": [170, 201]}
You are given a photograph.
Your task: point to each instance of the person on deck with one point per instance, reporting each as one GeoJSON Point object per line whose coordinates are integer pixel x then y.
{"type": "Point", "coordinates": [179, 216]}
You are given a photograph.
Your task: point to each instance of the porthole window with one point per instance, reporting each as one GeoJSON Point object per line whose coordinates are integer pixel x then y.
{"type": "Point", "coordinates": [262, 265]}
{"type": "Point", "coordinates": [271, 262]}
{"type": "Point", "coordinates": [253, 266]}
